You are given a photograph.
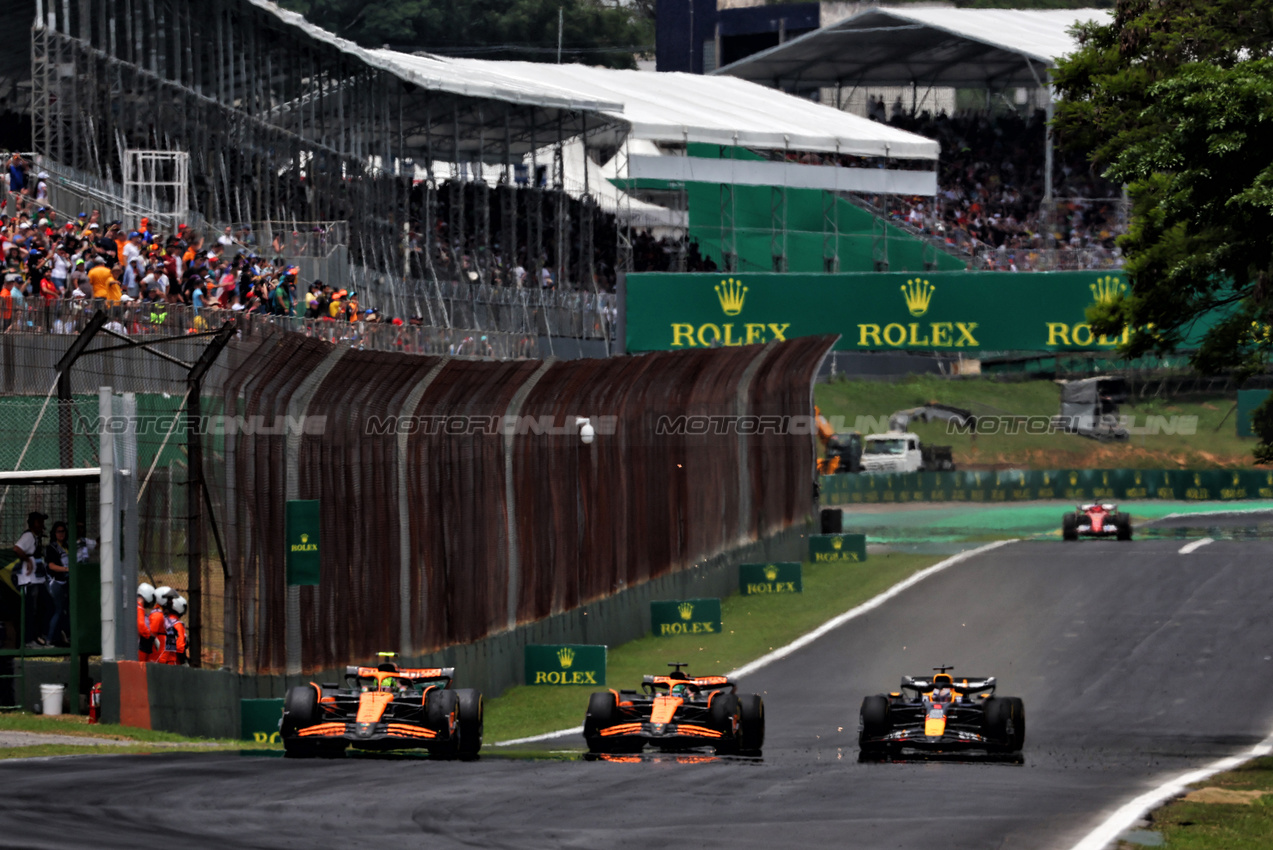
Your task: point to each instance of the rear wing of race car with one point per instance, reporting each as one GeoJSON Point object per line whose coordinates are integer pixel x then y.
{"type": "Point", "coordinates": [413, 674]}
{"type": "Point", "coordinates": [961, 685]}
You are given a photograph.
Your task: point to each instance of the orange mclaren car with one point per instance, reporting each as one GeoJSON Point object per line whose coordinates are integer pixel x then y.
{"type": "Point", "coordinates": [676, 712]}
{"type": "Point", "coordinates": [383, 708]}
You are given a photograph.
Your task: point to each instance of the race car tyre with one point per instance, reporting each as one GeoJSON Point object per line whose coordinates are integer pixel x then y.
{"type": "Point", "coordinates": [1004, 723]}
{"type": "Point", "coordinates": [726, 719]}
{"type": "Point", "coordinates": [439, 705]}
{"type": "Point", "coordinates": [300, 709]}
{"type": "Point", "coordinates": [1124, 522]}
{"type": "Point", "coordinates": [603, 707]}
{"type": "Point", "coordinates": [1018, 724]}
{"type": "Point", "coordinates": [1070, 527]}
{"type": "Point", "coordinates": [875, 720]}
{"type": "Point", "coordinates": [753, 714]}
{"type": "Point", "coordinates": [472, 720]}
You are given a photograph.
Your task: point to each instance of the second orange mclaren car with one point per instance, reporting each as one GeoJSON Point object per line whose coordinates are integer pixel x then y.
{"type": "Point", "coordinates": [676, 712]}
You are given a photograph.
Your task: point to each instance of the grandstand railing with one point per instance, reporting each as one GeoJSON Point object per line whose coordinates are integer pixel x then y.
{"type": "Point", "coordinates": [486, 308]}
{"type": "Point", "coordinates": [143, 319]}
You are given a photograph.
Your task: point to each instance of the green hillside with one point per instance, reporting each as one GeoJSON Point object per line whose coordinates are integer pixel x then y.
{"type": "Point", "coordinates": [1212, 443]}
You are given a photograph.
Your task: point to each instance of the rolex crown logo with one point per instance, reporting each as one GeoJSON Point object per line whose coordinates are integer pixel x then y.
{"type": "Point", "coordinates": [686, 609]}
{"type": "Point", "coordinates": [731, 294]}
{"type": "Point", "coordinates": [771, 573]}
{"type": "Point", "coordinates": [837, 543]}
{"type": "Point", "coordinates": [304, 538]}
{"type": "Point", "coordinates": [1138, 478]}
{"type": "Point", "coordinates": [566, 656]}
{"type": "Point", "coordinates": [917, 293]}
{"type": "Point", "coordinates": [1074, 479]}
{"type": "Point", "coordinates": [1236, 479]}
{"type": "Point", "coordinates": [1197, 480]}
{"type": "Point", "coordinates": [1107, 289]}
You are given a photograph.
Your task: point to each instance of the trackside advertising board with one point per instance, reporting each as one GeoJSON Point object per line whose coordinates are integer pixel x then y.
{"type": "Point", "coordinates": [837, 548]}
{"type": "Point", "coordinates": [565, 664]}
{"type": "Point", "coordinates": [685, 617]}
{"type": "Point", "coordinates": [759, 579]}
{"type": "Point", "coordinates": [932, 311]}
{"type": "Point", "coordinates": [302, 521]}
{"type": "Point", "coordinates": [1072, 485]}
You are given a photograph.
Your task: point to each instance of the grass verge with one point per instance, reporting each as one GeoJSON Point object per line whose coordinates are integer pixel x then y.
{"type": "Point", "coordinates": [47, 750]}
{"type": "Point", "coordinates": [76, 725]}
{"type": "Point", "coordinates": [752, 626]}
{"type": "Point", "coordinates": [1218, 815]}
{"type": "Point", "coordinates": [1212, 443]}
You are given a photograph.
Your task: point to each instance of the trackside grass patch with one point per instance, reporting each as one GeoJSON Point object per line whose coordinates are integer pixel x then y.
{"type": "Point", "coordinates": [751, 627]}
{"type": "Point", "coordinates": [154, 748]}
{"type": "Point", "coordinates": [1225, 812]}
{"type": "Point", "coordinates": [71, 724]}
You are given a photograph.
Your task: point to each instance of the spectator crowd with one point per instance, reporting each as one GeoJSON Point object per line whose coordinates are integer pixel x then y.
{"type": "Point", "coordinates": [990, 202]}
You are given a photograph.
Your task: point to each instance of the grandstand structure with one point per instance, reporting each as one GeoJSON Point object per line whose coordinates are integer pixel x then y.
{"type": "Point", "coordinates": [401, 173]}
{"type": "Point", "coordinates": [924, 55]}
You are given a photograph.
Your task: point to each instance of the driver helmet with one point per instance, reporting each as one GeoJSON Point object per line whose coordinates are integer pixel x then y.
{"type": "Point", "coordinates": [680, 690]}
{"type": "Point", "coordinates": [941, 695]}
{"type": "Point", "coordinates": [388, 683]}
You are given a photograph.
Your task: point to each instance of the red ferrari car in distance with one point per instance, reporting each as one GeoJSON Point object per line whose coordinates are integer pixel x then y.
{"type": "Point", "coordinates": [1103, 520]}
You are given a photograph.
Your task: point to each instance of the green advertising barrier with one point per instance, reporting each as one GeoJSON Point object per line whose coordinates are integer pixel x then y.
{"type": "Point", "coordinates": [837, 548]}
{"type": "Point", "coordinates": [754, 579]}
{"type": "Point", "coordinates": [1074, 485]}
{"type": "Point", "coordinates": [258, 720]}
{"type": "Point", "coordinates": [1248, 401]}
{"type": "Point", "coordinates": [302, 522]}
{"type": "Point", "coordinates": [565, 664]}
{"type": "Point", "coordinates": [872, 311]}
{"type": "Point", "coordinates": [685, 617]}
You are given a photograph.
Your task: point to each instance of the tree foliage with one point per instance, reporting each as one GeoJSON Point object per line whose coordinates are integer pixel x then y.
{"type": "Point", "coordinates": [1174, 98]}
{"type": "Point", "coordinates": [593, 33]}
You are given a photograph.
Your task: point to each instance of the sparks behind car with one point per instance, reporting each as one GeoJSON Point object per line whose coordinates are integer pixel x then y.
{"type": "Point", "coordinates": [1103, 520]}
{"type": "Point", "coordinates": [941, 713]}
{"type": "Point", "coordinates": [384, 708]}
{"type": "Point", "coordinates": [676, 712]}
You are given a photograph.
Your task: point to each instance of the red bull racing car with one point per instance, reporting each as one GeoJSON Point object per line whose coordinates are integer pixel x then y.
{"type": "Point", "coordinates": [941, 713]}
{"type": "Point", "coordinates": [1096, 521]}
{"type": "Point", "coordinates": [676, 712]}
{"type": "Point", "coordinates": [383, 708]}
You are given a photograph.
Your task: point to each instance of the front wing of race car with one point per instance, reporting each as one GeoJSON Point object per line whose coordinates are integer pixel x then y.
{"type": "Point", "coordinates": [373, 723]}
{"type": "Point", "coordinates": [951, 738]}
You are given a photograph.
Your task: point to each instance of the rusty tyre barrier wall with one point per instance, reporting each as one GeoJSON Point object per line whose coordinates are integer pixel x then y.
{"type": "Point", "coordinates": [459, 501]}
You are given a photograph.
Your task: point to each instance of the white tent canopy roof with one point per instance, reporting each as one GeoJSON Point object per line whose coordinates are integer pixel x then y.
{"type": "Point", "coordinates": [898, 46]}
{"type": "Point", "coordinates": [676, 108]}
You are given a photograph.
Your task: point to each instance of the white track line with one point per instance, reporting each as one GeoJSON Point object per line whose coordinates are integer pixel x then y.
{"type": "Point", "coordinates": [1218, 513]}
{"type": "Point", "coordinates": [1127, 815]}
{"type": "Point", "coordinates": [1190, 548]}
{"type": "Point", "coordinates": [808, 638]}
{"type": "Point", "coordinates": [853, 613]}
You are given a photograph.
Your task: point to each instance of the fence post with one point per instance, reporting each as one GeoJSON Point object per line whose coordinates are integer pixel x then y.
{"type": "Point", "coordinates": [107, 520]}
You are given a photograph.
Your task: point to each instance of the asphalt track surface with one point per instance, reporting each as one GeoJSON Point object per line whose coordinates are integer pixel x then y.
{"type": "Point", "coordinates": [1136, 663]}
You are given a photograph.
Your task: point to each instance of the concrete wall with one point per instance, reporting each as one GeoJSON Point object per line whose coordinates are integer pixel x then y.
{"type": "Point", "coordinates": [205, 703]}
